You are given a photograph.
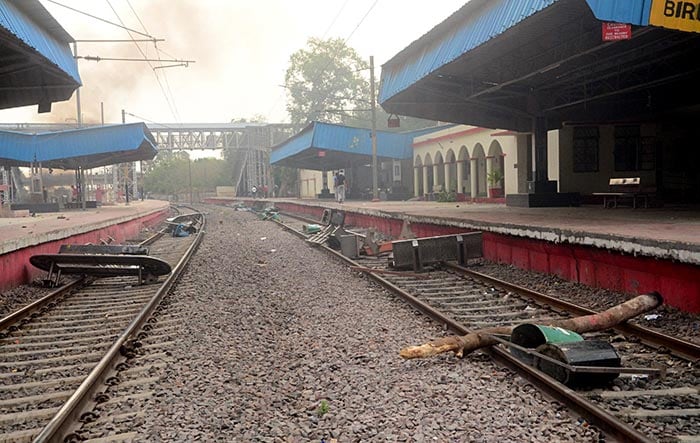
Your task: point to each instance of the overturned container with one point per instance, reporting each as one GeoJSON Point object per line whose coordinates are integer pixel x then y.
{"type": "Point", "coordinates": [531, 336]}
{"type": "Point", "coordinates": [595, 355]}
{"type": "Point", "coordinates": [565, 356]}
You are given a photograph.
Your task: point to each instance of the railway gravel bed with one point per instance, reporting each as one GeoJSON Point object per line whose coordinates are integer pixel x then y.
{"type": "Point", "coordinates": [666, 319]}
{"type": "Point", "coordinates": [283, 344]}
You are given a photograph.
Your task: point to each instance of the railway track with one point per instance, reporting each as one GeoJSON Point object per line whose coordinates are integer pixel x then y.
{"type": "Point", "coordinates": [59, 355]}
{"type": "Point", "coordinates": [660, 405]}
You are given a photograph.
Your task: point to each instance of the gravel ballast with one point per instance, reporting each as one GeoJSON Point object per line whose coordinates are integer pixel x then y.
{"type": "Point", "coordinates": [285, 344]}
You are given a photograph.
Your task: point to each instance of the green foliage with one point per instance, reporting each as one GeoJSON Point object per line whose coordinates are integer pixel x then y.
{"type": "Point", "coordinates": [495, 177]}
{"type": "Point", "coordinates": [170, 174]}
{"type": "Point", "coordinates": [325, 82]}
{"type": "Point", "coordinates": [286, 179]}
{"type": "Point", "coordinates": [323, 408]}
{"type": "Point", "coordinates": [445, 196]}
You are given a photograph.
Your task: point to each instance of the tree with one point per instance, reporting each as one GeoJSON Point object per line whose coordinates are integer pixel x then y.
{"type": "Point", "coordinates": [325, 82]}
{"type": "Point", "coordinates": [170, 173]}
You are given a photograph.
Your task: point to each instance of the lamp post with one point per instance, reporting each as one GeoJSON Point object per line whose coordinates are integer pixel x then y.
{"type": "Point", "coordinates": [375, 180]}
{"type": "Point", "coordinates": [189, 164]}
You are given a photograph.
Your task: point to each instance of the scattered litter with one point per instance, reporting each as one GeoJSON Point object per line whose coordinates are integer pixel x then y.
{"type": "Point", "coordinates": [273, 250]}
{"type": "Point", "coordinates": [652, 317]}
{"type": "Point", "coordinates": [530, 308]}
{"type": "Point", "coordinates": [263, 238]}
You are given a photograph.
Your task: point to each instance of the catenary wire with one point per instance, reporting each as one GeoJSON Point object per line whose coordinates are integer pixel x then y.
{"type": "Point", "coordinates": [171, 105]}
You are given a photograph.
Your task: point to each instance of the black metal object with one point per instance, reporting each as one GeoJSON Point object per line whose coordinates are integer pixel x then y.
{"type": "Point", "coordinates": [104, 249]}
{"type": "Point", "coordinates": [146, 268]}
{"type": "Point", "coordinates": [421, 252]}
{"type": "Point", "coordinates": [581, 353]}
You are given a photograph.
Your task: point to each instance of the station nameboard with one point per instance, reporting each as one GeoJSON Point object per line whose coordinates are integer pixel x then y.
{"type": "Point", "coordinates": [676, 14]}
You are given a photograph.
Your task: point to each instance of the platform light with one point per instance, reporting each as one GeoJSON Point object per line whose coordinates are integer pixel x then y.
{"type": "Point", "coordinates": [393, 121]}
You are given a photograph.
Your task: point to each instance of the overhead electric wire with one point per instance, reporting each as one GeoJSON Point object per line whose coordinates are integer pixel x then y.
{"type": "Point", "coordinates": [100, 19]}
{"type": "Point", "coordinates": [155, 45]}
{"type": "Point", "coordinates": [344, 41]}
{"type": "Point", "coordinates": [171, 105]}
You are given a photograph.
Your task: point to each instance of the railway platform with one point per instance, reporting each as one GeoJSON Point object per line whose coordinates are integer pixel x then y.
{"type": "Point", "coordinates": [44, 233]}
{"type": "Point", "coordinates": [622, 249]}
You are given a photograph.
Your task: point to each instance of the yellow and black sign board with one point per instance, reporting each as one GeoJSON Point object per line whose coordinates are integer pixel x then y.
{"type": "Point", "coordinates": [676, 14]}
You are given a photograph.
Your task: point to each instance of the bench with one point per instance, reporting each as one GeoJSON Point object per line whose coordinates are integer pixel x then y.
{"type": "Point", "coordinates": [624, 190]}
{"type": "Point", "coordinates": [101, 261]}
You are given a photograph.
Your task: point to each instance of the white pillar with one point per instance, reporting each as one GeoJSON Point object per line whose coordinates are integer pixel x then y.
{"type": "Point", "coordinates": [416, 177]}
{"type": "Point", "coordinates": [436, 177]}
{"type": "Point", "coordinates": [425, 179]}
{"type": "Point", "coordinates": [460, 176]}
{"type": "Point", "coordinates": [447, 176]}
{"type": "Point", "coordinates": [473, 166]}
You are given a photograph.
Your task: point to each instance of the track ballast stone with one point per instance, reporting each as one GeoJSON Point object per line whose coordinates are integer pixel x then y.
{"type": "Point", "coordinates": [285, 344]}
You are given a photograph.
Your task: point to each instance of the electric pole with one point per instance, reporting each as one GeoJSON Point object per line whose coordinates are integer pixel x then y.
{"type": "Point", "coordinates": [375, 181]}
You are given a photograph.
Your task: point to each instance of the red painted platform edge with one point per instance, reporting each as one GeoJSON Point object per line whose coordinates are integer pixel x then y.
{"type": "Point", "coordinates": [16, 270]}
{"type": "Point", "coordinates": [678, 283]}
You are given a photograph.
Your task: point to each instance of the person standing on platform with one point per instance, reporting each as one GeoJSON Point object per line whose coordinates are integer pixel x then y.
{"type": "Point", "coordinates": [340, 187]}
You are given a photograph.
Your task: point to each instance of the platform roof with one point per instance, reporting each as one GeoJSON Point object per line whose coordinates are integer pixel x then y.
{"type": "Point", "coordinates": [326, 146]}
{"type": "Point", "coordinates": [87, 148]}
{"type": "Point", "coordinates": [36, 63]}
{"type": "Point", "coordinates": [499, 63]}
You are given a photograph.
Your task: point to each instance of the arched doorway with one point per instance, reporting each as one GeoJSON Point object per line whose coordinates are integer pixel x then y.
{"type": "Point", "coordinates": [479, 171]}
{"type": "Point", "coordinates": [464, 172]}
{"type": "Point", "coordinates": [427, 175]}
{"type": "Point", "coordinates": [451, 171]}
{"type": "Point", "coordinates": [439, 171]}
{"type": "Point", "coordinates": [496, 173]}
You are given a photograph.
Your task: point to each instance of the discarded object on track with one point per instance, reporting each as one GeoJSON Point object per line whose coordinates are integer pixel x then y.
{"type": "Point", "coordinates": [421, 252]}
{"type": "Point", "coordinates": [561, 353]}
{"type": "Point", "coordinates": [270, 213]}
{"type": "Point", "coordinates": [184, 230]}
{"type": "Point", "coordinates": [311, 228]}
{"type": "Point", "coordinates": [587, 323]}
{"type": "Point", "coordinates": [531, 336]}
{"type": "Point", "coordinates": [586, 353]}
{"type": "Point", "coordinates": [100, 261]}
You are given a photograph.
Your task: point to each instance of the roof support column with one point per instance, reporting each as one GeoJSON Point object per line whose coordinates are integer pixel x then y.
{"type": "Point", "coordinates": [542, 184]}
{"type": "Point", "coordinates": [416, 184]}
{"type": "Point", "coordinates": [426, 185]}
{"type": "Point", "coordinates": [460, 176]}
{"type": "Point", "coordinates": [448, 177]}
{"type": "Point", "coordinates": [540, 133]}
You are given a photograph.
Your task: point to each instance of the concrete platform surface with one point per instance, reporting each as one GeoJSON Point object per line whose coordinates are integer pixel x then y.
{"type": "Point", "coordinates": [22, 232]}
{"type": "Point", "coordinates": [668, 232]}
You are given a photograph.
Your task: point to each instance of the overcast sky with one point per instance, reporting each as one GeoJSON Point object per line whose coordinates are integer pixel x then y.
{"type": "Point", "coordinates": [241, 50]}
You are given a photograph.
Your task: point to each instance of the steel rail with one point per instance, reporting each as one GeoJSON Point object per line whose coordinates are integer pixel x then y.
{"type": "Point", "coordinates": [61, 424]}
{"type": "Point", "coordinates": [31, 308]}
{"type": "Point", "coordinates": [611, 425]}
{"type": "Point", "coordinates": [682, 348]}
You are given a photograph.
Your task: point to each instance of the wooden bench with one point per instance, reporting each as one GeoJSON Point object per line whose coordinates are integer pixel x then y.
{"type": "Point", "coordinates": [101, 261]}
{"type": "Point", "coordinates": [625, 190]}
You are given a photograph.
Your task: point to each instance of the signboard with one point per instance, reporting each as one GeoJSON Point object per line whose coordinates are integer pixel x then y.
{"type": "Point", "coordinates": [676, 14]}
{"type": "Point", "coordinates": [616, 31]}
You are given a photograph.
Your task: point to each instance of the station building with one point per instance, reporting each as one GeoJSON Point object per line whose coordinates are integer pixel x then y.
{"type": "Point", "coordinates": [614, 80]}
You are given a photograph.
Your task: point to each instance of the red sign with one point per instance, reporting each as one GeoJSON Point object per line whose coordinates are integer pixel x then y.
{"type": "Point", "coordinates": [321, 153]}
{"type": "Point", "coordinates": [616, 31]}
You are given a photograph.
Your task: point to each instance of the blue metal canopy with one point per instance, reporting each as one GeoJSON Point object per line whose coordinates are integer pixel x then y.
{"type": "Point", "coordinates": [322, 146]}
{"type": "Point", "coordinates": [500, 63]}
{"type": "Point", "coordinates": [475, 24]}
{"type": "Point", "coordinates": [37, 64]}
{"type": "Point", "coordinates": [87, 148]}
